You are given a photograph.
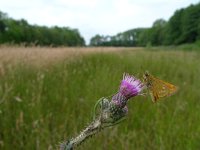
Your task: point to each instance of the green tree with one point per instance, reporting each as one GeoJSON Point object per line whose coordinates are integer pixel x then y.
{"type": "Point", "coordinates": [96, 40]}
{"type": "Point", "coordinates": [19, 31]}
{"type": "Point", "coordinates": [157, 32]}
{"type": "Point", "coordinates": [191, 21]}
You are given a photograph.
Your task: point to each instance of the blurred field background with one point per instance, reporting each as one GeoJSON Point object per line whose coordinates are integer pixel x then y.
{"type": "Point", "coordinates": [58, 58]}
{"type": "Point", "coordinates": [47, 96]}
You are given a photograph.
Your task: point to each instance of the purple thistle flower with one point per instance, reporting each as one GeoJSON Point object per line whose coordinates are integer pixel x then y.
{"type": "Point", "coordinates": [130, 87]}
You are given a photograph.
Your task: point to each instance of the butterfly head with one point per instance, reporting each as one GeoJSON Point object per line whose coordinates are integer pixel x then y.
{"type": "Point", "coordinates": [146, 76]}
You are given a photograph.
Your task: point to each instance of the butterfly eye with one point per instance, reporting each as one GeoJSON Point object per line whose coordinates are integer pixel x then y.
{"type": "Point", "coordinates": [149, 84]}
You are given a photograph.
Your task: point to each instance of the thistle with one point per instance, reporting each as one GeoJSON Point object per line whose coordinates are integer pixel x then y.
{"type": "Point", "coordinates": [111, 112]}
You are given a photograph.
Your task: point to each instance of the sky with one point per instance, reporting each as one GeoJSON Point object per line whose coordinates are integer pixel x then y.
{"type": "Point", "coordinates": [91, 17]}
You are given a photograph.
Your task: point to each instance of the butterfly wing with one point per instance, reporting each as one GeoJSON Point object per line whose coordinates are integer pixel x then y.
{"type": "Point", "coordinates": [159, 88]}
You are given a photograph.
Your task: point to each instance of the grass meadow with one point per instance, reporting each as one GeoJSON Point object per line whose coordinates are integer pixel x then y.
{"type": "Point", "coordinates": [47, 97]}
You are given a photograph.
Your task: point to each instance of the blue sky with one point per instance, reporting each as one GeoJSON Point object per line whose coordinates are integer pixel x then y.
{"type": "Point", "coordinates": [91, 17]}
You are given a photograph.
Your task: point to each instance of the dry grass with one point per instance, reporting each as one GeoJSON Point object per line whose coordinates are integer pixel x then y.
{"type": "Point", "coordinates": [46, 55]}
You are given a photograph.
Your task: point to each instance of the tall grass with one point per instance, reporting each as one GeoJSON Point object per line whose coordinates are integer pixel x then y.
{"type": "Point", "coordinates": [41, 107]}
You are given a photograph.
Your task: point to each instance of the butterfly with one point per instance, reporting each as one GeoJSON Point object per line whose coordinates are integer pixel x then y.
{"type": "Point", "coordinates": [158, 88]}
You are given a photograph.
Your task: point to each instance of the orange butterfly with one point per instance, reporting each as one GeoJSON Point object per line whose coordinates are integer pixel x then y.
{"type": "Point", "coordinates": [157, 87]}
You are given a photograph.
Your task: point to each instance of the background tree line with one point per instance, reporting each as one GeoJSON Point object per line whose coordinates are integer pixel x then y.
{"type": "Point", "coordinates": [19, 31]}
{"type": "Point", "coordinates": [182, 27]}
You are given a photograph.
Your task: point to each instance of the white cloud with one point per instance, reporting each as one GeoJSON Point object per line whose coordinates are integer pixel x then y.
{"type": "Point", "coordinates": [93, 16]}
{"type": "Point", "coordinates": [78, 3]}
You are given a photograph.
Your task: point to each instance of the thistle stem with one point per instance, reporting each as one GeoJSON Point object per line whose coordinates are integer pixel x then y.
{"type": "Point", "coordinates": [101, 121]}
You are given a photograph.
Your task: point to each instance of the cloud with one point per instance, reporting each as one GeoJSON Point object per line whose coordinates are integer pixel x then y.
{"type": "Point", "coordinates": [93, 16]}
